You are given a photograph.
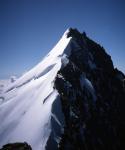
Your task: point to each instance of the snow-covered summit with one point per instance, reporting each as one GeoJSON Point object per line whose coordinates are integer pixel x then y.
{"type": "Point", "coordinates": [67, 101]}
{"type": "Point", "coordinates": [25, 113]}
{"type": "Point", "coordinates": [50, 61]}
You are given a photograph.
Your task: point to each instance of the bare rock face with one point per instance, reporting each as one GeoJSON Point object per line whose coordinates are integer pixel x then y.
{"type": "Point", "coordinates": [92, 94]}
{"type": "Point", "coordinates": [17, 146]}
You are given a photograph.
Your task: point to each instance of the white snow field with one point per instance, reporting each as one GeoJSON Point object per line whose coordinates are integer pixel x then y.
{"type": "Point", "coordinates": [25, 111]}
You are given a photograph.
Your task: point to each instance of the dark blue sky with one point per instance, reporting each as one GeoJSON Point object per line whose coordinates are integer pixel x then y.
{"type": "Point", "coordinates": [30, 28]}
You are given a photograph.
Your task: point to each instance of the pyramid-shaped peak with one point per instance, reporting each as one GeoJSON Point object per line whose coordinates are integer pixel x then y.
{"type": "Point", "coordinates": [70, 98]}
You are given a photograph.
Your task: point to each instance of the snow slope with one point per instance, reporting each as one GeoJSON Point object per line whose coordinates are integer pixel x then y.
{"type": "Point", "coordinates": [3, 84]}
{"type": "Point", "coordinates": [25, 113]}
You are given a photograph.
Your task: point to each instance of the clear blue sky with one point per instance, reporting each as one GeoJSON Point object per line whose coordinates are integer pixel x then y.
{"type": "Point", "coordinates": [30, 28]}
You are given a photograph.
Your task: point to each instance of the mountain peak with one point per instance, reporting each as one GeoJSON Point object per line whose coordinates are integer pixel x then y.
{"type": "Point", "coordinates": [73, 99]}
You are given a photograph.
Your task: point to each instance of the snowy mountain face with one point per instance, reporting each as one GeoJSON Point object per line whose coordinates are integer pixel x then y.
{"type": "Point", "coordinates": [73, 99]}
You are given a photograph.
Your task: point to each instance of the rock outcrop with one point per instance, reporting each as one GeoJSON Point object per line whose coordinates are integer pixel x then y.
{"type": "Point", "coordinates": [92, 94]}
{"type": "Point", "coordinates": [17, 146]}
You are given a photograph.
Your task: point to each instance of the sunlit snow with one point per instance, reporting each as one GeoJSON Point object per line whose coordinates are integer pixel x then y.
{"type": "Point", "coordinates": [25, 112]}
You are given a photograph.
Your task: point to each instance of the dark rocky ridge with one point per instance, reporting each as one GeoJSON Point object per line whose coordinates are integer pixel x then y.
{"type": "Point", "coordinates": [94, 119]}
